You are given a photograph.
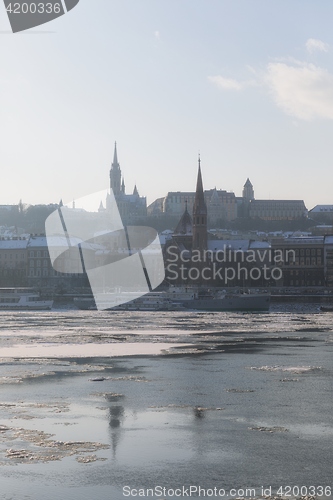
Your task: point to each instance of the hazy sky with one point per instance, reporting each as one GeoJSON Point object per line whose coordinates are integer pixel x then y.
{"type": "Point", "coordinates": [248, 83]}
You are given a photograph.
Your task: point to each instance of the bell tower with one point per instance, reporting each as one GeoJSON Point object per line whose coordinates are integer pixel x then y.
{"type": "Point", "coordinates": [248, 192]}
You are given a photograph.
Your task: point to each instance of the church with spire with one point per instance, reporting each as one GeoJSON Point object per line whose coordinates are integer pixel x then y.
{"type": "Point", "coordinates": [131, 206]}
{"type": "Point", "coordinates": [190, 236]}
{"type": "Point", "coordinates": [199, 241]}
{"type": "Point", "coordinates": [191, 232]}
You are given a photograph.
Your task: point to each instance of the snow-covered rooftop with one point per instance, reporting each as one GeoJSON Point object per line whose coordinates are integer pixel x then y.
{"type": "Point", "coordinates": [259, 244]}
{"type": "Point", "coordinates": [13, 244]}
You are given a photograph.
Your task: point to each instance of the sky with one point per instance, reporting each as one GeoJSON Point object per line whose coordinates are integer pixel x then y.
{"type": "Point", "coordinates": [248, 84]}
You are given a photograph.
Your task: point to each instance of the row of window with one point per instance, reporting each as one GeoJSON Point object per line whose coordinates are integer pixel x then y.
{"type": "Point", "coordinates": [12, 272]}
{"type": "Point", "coordinates": [308, 251]}
{"type": "Point", "coordinates": [39, 263]}
{"type": "Point", "coordinates": [33, 273]}
{"type": "Point", "coordinates": [276, 213]}
{"type": "Point", "coordinates": [32, 254]}
{"type": "Point", "coordinates": [11, 256]}
{"type": "Point", "coordinates": [38, 253]}
{"type": "Point", "coordinates": [276, 205]}
{"type": "Point", "coordinates": [38, 273]}
{"type": "Point", "coordinates": [307, 261]}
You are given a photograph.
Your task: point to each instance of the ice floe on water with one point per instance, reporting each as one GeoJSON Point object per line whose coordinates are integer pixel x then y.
{"type": "Point", "coordinates": [39, 446]}
{"type": "Point", "coordinates": [290, 369]}
{"type": "Point", "coordinates": [268, 429]}
{"type": "Point", "coordinates": [85, 350]}
{"type": "Point", "coordinates": [239, 391]}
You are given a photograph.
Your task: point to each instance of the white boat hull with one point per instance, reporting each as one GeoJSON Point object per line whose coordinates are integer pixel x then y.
{"type": "Point", "coordinates": [22, 299]}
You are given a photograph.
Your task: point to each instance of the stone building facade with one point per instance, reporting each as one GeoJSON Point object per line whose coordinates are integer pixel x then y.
{"type": "Point", "coordinates": [221, 205]}
{"type": "Point", "coordinates": [302, 263]}
{"type": "Point", "coordinates": [277, 209]}
{"type": "Point", "coordinates": [13, 261]}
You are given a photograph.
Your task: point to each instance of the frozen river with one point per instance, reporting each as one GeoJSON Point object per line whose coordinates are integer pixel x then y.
{"type": "Point", "coordinates": [108, 404]}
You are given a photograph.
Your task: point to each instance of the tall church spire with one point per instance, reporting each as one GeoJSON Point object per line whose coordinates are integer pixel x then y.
{"type": "Point", "coordinates": [115, 173]}
{"type": "Point", "coordinates": [199, 215]}
{"type": "Point", "coordinates": [115, 156]}
{"type": "Point", "coordinates": [199, 207]}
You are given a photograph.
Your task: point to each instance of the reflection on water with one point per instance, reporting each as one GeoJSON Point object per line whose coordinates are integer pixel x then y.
{"type": "Point", "coordinates": [116, 415]}
{"type": "Point", "coordinates": [198, 412]}
{"type": "Point", "coordinates": [240, 400]}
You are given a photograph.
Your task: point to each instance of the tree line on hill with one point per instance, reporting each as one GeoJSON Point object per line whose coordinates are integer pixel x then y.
{"type": "Point", "coordinates": [31, 219]}
{"type": "Point", "coordinates": [26, 218]}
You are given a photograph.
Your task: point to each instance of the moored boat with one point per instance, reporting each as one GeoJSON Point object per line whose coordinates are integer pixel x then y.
{"type": "Point", "coordinates": [229, 302]}
{"type": "Point", "coordinates": [153, 301]}
{"type": "Point", "coordinates": [22, 299]}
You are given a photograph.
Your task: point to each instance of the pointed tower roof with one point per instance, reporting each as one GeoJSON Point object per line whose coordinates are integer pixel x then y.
{"type": "Point", "coordinates": [184, 226]}
{"type": "Point", "coordinates": [115, 174]}
{"type": "Point", "coordinates": [115, 163]}
{"type": "Point", "coordinates": [199, 206]}
{"type": "Point", "coordinates": [135, 190]}
{"type": "Point", "coordinates": [248, 183]}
